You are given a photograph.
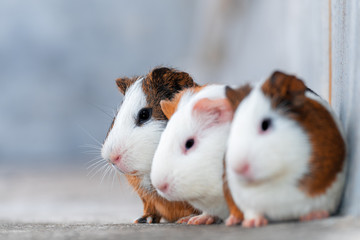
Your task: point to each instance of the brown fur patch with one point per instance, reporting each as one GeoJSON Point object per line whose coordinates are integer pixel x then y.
{"type": "Point", "coordinates": [285, 89]}
{"type": "Point", "coordinates": [163, 83]}
{"type": "Point", "coordinates": [287, 94]}
{"type": "Point", "coordinates": [234, 210]}
{"type": "Point", "coordinates": [169, 107]}
{"type": "Point", "coordinates": [235, 96]}
{"type": "Point", "coordinates": [124, 83]}
{"type": "Point", "coordinates": [156, 206]}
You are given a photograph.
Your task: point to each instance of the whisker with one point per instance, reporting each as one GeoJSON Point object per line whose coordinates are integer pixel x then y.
{"type": "Point", "coordinates": [118, 177]}
{"type": "Point", "coordinates": [91, 146]}
{"type": "Point", "coordinates": [92, 162]}
{"type": "Point", "coordinates": [99, 169]}
{"type": "Point", "coordinates": [96, 163]}
{"type": "Point", "coordinates": [91, 152]}
{"type": "Point", "coordinates": [101, 110]}
{"type": "Point", "coordinates": [113, 176]}
{"type": "Point", "coordinates": [94, 159]}
{"type": "Point", "coordinates": [105, 173]}
{"type": "Point", "coordinates": [88, 133]}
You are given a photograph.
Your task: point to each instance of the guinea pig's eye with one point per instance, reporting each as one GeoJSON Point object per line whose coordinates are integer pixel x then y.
{"type": "Point", "coordinates": [143, 115]}
{"type": "Point", "coordinates": [189, 143]}
{"type": "Point", "coordinates": [265, 124]}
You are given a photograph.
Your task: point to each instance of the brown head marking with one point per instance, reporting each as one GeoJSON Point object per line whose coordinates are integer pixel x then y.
{"type": "Point", "coordinates": [235, 96]}
{"type": "Point", "coordinates": [161, 84]}
{"type": "Point", "coordinates": [328, 146]}
{"type": "Point", "coordinates": [285, 90]}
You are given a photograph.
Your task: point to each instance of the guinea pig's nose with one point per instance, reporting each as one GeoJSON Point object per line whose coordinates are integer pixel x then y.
{"type": "Point", "coordinates": [163, 187]}
{"type": "Point", "coordinates": [116, 158]}
{"type": "Point", "coordinates": [243, 169]}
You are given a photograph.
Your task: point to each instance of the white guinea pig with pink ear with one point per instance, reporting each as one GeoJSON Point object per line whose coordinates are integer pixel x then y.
{"type": "Point", "coordinates": [286, 153]}
{"type": "Point", "coordinates": [188, 163]}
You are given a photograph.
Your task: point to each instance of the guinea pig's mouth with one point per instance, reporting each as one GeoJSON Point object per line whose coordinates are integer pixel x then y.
{"type": "Point", "coordinates": [252, 181]}
{"type": "Point", "coordinates": [125, 172]}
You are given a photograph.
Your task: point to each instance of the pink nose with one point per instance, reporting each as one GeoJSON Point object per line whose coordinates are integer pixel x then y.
{"type": "Point", "coordinates": [115, 159]}
{"type": "Point", "coordinates": [163, 187]}
{"type": "Point", "coordinates": [243, 169]}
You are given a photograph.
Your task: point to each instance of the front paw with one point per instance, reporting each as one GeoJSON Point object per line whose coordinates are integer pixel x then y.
{"type": "Point", "coordinates": [141, 220]}
{"type": "Point", "coordinates": [255, 222]}
{"type": "Point", "coordinates": [232, 220]}
{"type": "Point", "coordinates": [155, 219]}
{"type": "Point", "coordinates": [185, 219]}
{"type": "Point", "coordinates": [315, 215]}
{"type": "Point", "coordinates": [203, 219]}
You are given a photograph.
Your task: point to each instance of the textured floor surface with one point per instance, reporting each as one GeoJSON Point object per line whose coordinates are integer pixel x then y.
{"type": "Point", "coordinates": [335, 228]}
{"type": "Point", "coordinates": [66, 204]}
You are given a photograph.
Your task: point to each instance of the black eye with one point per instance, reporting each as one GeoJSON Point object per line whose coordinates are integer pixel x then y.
{"type": "Point", "coordinates": [189, 143]}
{"type": "Point", "coordinates": [144, 115]}
{"type": "Point", "coordinates": [265, 124]}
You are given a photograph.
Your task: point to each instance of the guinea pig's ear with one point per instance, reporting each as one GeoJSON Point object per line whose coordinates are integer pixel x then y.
{"type": "Point", "coordinates": [124, 83]}
{"type": "Point", "coordinates": [286, 89]}
{"type": "Point", "coordinates": [212, 112]}
{"type": "Point", "coordinates": [168, 107]}
{"type": "Point", "coordinates": [172, 79]}
{"type": "Point", "coordinates": [235, 96]}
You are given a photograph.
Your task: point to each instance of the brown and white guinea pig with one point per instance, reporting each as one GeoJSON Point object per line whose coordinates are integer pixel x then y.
{"type": "Point", "coordinates": [188, 164]}
{"type": "Point", "coordinates": [286, 153]}
{"type": "Point", "coordinates": [135, 133]}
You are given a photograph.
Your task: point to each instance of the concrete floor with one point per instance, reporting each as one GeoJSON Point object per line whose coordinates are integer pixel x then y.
{"type": "Point", "coordinates": [66, 204]}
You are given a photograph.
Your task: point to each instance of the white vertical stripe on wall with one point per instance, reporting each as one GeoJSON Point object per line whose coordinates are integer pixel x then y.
{"type": "Point", "coordinates": [346, 90]}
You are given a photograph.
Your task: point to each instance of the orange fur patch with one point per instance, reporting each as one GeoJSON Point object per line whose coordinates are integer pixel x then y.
{"type": "Point", "coordinates": [157, 207]}
{"type": "Point", "coordinates": [287, 94]}
{"type": "Point", "coordinates": [169, 107]}
{"type": "Point", "coordinates": [234, 210]}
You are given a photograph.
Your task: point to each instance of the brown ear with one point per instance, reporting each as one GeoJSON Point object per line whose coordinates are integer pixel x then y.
{"type": "Point", "coordinates": [235, 96]}
{"type": "Point", "coordinates": [285, 89]}
{"type": "Point", "coordinates": [172, 80]}
{"type": "Point", "coordinates": [124, 83]}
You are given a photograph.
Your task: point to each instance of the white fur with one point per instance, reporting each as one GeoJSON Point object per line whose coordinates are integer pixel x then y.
{"type": "Point", "coordinates": [136, 144]}
{"type": "Point", "coordinates": [278, 159]}
{"type": "Point", "coordinates": [195, 177]}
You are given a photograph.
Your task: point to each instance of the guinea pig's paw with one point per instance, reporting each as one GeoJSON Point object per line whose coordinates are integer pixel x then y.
{"type": "Point", "coordinates": [185, 219]}
{"type": "Point", "coordinates": [232, 220]}
{"type": "Point", "coordinates": [155, 219]}
{"type": "Point", "coordinates": [141, 220]}
{"type": "Point", "coordinates": [255, 222]}
{"type": "Point", "coordinates": [315, 215]}
{"type": "Point", "coordinates": [202, 219]}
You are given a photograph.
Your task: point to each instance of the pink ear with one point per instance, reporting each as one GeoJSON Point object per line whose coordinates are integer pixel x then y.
{"type": "Point", "coordinates": [213, 111]}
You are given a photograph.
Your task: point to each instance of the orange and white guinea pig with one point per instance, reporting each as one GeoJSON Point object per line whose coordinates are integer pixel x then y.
{"type": "Point", "coordinates": [286, 153]}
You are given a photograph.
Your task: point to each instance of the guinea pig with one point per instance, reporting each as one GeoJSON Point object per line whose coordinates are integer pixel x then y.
{"type": "Point", "coordinates": [286, 153]}
{"type": "Point", "coordinates": [188, 163]}
{"type": "Point", "coordinates": [135, 133]}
